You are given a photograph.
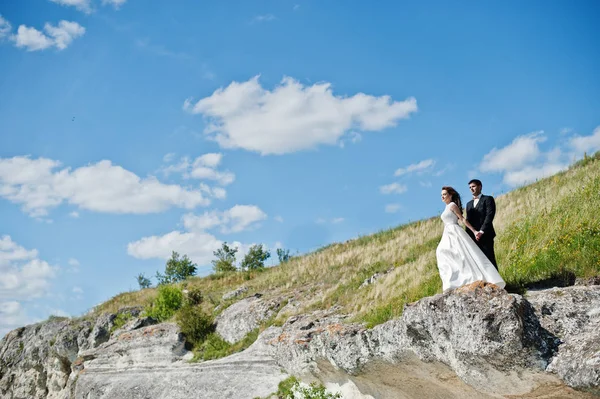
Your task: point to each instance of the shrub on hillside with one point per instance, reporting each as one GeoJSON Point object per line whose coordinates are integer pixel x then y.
{"type": "Point", "coordinates": [255, 258]}
{"type": "Point", "coordinates": [195, 324]}
{"type": "Point", "coordinates": [177, 269]}
{"type": "Point", "coordinates": [194, 296]}
{"type": "Point", "coordinates": [225, 261]}
{"type": "Point", "coordinates": [168, 301]}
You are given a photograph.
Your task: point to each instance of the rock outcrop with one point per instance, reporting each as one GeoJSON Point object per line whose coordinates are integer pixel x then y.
{"type": "Point", "coordinates": [493, 341]}
{"type": "Point", "coordinates": [474, 342]}
{"type": "Point", "coordinates": [573, 315]}
{"type": "Point", "coordinates": [244, 316]}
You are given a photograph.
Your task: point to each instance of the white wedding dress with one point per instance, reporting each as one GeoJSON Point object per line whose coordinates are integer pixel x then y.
{"type": "Point", "coordinates": [459, 259]}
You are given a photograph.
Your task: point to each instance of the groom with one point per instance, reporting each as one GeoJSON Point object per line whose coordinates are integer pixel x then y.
{"type": "Point", "coordinates": [480, 213]}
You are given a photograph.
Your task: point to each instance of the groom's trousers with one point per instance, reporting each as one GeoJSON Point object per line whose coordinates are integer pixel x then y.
{"type": "Point", "coordinates": [487, 247]}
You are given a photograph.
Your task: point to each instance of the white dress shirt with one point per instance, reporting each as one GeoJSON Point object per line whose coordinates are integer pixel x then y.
{"type": "Point", "coordinates": [475, 202]}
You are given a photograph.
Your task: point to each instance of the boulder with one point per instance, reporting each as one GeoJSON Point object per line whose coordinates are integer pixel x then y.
{"type": "Point", "coordinates": [244, 316]}
{"type": "Point", "coordinates": [573, 315]}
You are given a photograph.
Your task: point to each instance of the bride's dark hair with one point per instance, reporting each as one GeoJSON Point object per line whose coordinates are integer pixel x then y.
{"type": "Point", "coordinates": [454, 195]}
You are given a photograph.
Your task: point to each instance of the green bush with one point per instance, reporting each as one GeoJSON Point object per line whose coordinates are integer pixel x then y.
{"type": "Point", "coordinates": [290, 388]}
{"type": "Point", "coordinates": [194, 296]}
{"type": "Point", "coordinates": [195, 324]}
{"type": "Point", "coordinates": [167, 302]}
{"type": "Point", "coordinates": [255, 258]}
{"type": "Point", "coordinates": [214, 347]}
{"type": "Point", "coordinates": [284, 389]}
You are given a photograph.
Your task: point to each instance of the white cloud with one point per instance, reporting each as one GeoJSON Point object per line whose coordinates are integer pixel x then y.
{"type": "Point", "coordinates": [216, 192]}
{"type": "Point", "coordinates": [65, 33]}
{"type": "Point", "coordinates": [77, 290]}
{"type": "Point", "coordinates": [81, 5]}
{"type": "Point", "coordinates": [588, 144]}
{"type": "Point", "coordinates": [264, 18]}
{"type": "Point", "coordinates": [210, 160]}
{"type": "Point", "coordinates": [278, 219]}
{"type": "Point", "coordinates": [392, 208]}
{"type": "Point", "coordinates": [529, 174]}
{"type": "Point", "coordinates": [337, 220]}
{"type": "Point", "coordinates": [522, 161]}
{"type": "Point", "coordinates": [202, 168]}
{"type": "Point", "coordinates": [196, 242]}
{"type": "Point", "coordinates": [523, 150]}
{"type": "Point", "coordinates": [425, 183]}
{"type": "Point", "coordinates": [198, 246]}
{"type": "Point", "coordinates": [204, 173]}
{"type": "Point", "coordinates": [393, 188]}
{"type": "Point", "coordinates": [115, 3]}
{"type": "Point", "coordinates": [22, 274]}
{"type": "Point", "coordinates": [100, 187]}
{"type": "Point", "coordinates": [169, 157]}
{"type": "Point", "coordinates": [234, 220]}
{"type": "Point", "coordinates": [12, 315]}
{"type": "Point", "coordinates": [74, 263]}
{"type": "Point", "coordinates": [74, 214]}
{"type": "Point", "coordinates": [59, 36]}
{"type": "Point", "coordinates": [565, 130]}
{"type": "Point", "coordinates": [31, 38]}
{"type": "Point", "coordinates": [292, 117]}
{"type": "Point", "coordinates": [5, 27]}
{"type": "Point", "coordinates": [415, 167]}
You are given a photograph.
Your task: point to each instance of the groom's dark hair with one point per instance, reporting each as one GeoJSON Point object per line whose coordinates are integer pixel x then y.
{"type": "Point", "coordinates": [476, 181]}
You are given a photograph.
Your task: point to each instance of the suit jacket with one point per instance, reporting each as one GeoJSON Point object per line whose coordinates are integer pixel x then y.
{"type": "Point", "coordinates": [482, 216]}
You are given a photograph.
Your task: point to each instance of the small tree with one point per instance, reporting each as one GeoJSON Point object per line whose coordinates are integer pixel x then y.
{"type": "Point", "coordinates": [143, 281]}
{"type": "Point", "coordinates": [255, 258]}
{"type": "Point", "coordinates": [225, 261]}
{"type": "Point", "coordinates": [177, 269]}
{"type": "Point", "coordinates": [283, 255]}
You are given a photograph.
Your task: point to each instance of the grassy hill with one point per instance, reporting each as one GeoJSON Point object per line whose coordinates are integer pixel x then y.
{"type": "Point", "coordinates": [547, 231]}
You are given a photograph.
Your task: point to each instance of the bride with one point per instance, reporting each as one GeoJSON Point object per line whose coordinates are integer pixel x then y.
{"type": "Point", "coordinates": [459, 259]}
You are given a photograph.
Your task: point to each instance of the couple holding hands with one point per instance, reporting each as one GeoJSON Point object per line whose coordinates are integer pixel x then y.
{"type": "Point", "coordinates": [467, 256]}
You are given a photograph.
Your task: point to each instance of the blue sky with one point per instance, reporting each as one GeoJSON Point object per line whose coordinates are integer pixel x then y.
{"type": "Point", "coordinates": [132, 128]}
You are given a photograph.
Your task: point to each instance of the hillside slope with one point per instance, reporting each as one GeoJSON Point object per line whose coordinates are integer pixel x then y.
{"type": "Point", "coordinates": [548, 231]}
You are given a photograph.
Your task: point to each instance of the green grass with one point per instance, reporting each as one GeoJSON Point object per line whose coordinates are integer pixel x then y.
{"type": "Point", "coordinates": [120, 321]}
{"type": "Point", "coordinates": [215, 347]}
{"type": "Point", "coordinates": [555, 243]}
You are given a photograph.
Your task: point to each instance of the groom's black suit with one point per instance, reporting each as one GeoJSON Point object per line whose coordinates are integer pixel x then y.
{"type": "Point", "coordinates": [481, 218]}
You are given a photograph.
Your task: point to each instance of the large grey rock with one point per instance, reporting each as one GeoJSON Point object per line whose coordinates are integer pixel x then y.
{"type": "Point", "coordinates": [151, 363]}
{"type": "Point", "coordinates": [244, 316]}
{"type": "Point", "coordinates": [573, 314]}
{"type": "Point", "coordinates": [490, 339]}
{"type": "Point", "coordinates": [35, 361]}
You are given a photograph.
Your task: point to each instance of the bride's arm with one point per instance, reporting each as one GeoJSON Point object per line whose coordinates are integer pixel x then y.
{"type": "Point", "coordinates": [461, 218]}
